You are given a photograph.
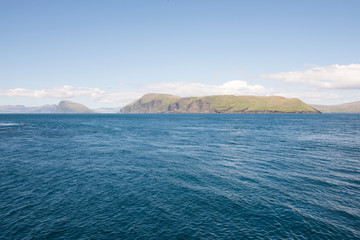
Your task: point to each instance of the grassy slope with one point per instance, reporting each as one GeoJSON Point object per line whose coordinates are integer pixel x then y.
{"type": "Point", "coordinates": [254, 103]}
{"type": "Point", "coordinates": [224, 103]}
{"type": "Point", "coordinates": [165, 98]}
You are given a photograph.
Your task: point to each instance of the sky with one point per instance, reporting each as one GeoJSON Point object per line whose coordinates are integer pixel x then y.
{"type": "Point", "coordinates": [109, 53]}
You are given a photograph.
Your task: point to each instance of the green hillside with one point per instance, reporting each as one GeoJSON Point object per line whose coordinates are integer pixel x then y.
{"type": "Point", "coordinates": [164, 103]}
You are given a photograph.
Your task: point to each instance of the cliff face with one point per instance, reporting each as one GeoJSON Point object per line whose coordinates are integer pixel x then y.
{"type": "Point", "coordinates": [163, 103]}
{"type": "Point", "coordinates": [71, 107]}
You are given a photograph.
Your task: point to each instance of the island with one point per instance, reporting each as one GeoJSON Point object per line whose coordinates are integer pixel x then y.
{"type": "Point", "coordinates": [165, 103]}
{"type": "Point", "coordinates": [66, 106]}
{"type": "Point", "coordinates": [351, 107]}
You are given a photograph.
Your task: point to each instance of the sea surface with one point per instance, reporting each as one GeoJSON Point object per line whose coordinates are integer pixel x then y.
{"type": "Point", "coordinates": [180, 176]}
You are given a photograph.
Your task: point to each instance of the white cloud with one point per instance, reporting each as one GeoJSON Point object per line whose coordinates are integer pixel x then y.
{"type": "Point", "coordinates": [186, 89]}
{"type": "Point", "coordinates": [183, 89]}
{"type": "Point", "coordinates": [124, 97]}
{"type": "Point", "coordinates": [68, 92]}
{"type": "Point", "coordinates": [121, 97]}
{"type": "Point", "coordinates": [315, 97]}
{"type": "Point", "coordinates": [56, 92]}
{"type": "Point", "coordinates": [327, 77]}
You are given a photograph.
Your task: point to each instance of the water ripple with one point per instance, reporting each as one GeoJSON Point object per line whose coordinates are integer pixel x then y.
{"type": "Point", "coordinates": [256, 176]}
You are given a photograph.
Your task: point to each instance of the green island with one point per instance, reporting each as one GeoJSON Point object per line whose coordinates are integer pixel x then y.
{"type": "Point", "coordinates": [165, 103]}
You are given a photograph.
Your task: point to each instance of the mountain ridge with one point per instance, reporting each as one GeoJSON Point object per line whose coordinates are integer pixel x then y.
{"type": "Point", "coordinates": [23, 109]}
{"type": "Point", "coordinates": [165, 103]}
{"type": "Point", "coordinates": [350, 107]}
{"type": "Point", "coordinates": [167, 100]}
{"type": "Point", "coordinates": [66, 106]}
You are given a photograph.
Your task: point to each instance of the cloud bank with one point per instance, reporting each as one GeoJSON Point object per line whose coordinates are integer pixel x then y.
{"type": "Point", "coordinates": [123, 97]}
{"type": "Point", "coordinates": [186, 89]}
{"type": "Point", "coordinates": [327, 81]}
{"type": "Point", "coordinates": [68, 92]}
{"type": "Point", "coordinates": [326, 77]}
{"type": "Point", "coordinates": [56, 92]}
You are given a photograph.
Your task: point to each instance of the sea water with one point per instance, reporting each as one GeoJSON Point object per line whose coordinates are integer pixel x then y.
{"type": "Point", "coordinates": [180, 176]}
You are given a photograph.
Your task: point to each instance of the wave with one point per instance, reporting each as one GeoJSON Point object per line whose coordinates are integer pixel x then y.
{"type": "Point", "coordinates": [7, 124]}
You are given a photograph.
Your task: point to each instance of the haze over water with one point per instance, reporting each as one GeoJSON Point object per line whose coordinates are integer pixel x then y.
{"type": "Point", "coordinates": [194, 176]}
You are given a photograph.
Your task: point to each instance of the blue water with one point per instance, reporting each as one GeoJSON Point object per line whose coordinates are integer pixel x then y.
{"type": "Point", "coordinates": [214, 176]}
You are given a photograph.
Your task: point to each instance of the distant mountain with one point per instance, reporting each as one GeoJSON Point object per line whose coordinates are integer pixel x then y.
{"type": "Point", "coordinates": [66, 106]}
{"type": "Point", "coordinates": [165, 103]}
{"type": "Point", "coordinates": [62, 107]}
{"type": "Point", "coordinates": [23, 109]}
{"type": "Point", "coordinates": [107, 110]}
{"type": "Point", "coordinates": [352, 107]}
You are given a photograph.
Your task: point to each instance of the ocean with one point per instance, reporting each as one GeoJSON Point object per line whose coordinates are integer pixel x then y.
{"type": "Point", "coordinates": [180, 176]}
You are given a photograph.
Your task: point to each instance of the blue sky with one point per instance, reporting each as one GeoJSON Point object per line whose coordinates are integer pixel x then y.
{"type": "Point", "coordinates": [108, 53]}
